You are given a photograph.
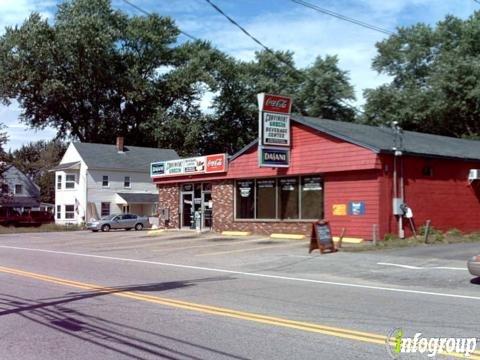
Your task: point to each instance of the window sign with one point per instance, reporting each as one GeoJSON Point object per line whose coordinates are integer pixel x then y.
{"type": "Point", "coordinates": [245, 199]}
{"type": "Point", "coordinates": [313, 183]}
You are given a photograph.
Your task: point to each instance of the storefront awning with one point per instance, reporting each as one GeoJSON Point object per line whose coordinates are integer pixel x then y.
{"type": "Point", "coordinates": [136, 198]}
{"type": "Point", "coordinates": [67, 166]}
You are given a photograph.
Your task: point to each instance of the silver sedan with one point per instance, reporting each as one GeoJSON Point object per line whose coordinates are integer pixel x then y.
{"type": "Point", "coordinates": [120, 221]}
{"type": "Point", "coordinates": [473, 265]}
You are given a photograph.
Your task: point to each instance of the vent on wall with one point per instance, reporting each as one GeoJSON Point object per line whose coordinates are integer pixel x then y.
{"type": "Point", "coordinates": [474, 174]}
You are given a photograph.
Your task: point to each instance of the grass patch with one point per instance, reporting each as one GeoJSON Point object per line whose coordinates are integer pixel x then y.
{"type": "Point", "coordinates": [42, 228]}
{"type": "Point", "coordinates": [436, 237]}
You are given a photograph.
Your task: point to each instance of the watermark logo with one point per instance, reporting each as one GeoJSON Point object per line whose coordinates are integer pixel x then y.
{"type": "Point", "coordinates": [397, 343]}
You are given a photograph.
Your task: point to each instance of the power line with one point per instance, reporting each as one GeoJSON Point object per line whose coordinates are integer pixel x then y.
{"type": "Point", "coordinates": [277, 56]}
{"type": "Point", "coordinates": [345, 18]}
{"type": "Point", "coordinates": [149, 14]}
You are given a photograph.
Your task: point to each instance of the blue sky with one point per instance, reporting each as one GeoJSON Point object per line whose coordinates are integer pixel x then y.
{"type": "Point", "coordinates": [280, 24]}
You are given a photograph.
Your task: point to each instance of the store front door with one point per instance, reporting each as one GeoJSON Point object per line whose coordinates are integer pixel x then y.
{"type": "Point", "coordinates": [196, 206]}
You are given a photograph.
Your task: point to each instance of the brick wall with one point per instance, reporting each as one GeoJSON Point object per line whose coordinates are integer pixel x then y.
{"type": "Point", "coordinates": [168, 196]}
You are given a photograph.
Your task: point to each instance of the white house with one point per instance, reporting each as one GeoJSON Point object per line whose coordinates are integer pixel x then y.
{"type": "Point", "coordinates": [95, 180]}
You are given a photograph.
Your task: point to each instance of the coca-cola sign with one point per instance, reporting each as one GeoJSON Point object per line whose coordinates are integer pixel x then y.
{"type": "Point", "coordinates": [277, 103]}
{"type": "Point", "coordinates": [216, 163]}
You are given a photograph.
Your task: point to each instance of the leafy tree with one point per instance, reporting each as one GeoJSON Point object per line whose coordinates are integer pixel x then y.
{"type": "Point", "coordinates": [94, 72]}
{"type": "Point", "coordinates": [435, 74]}
{"type": "Point", "coordinates": [319, 90]}
{"type": "Point", "coordinates": [3, 159]}
{"type": "Point", "coordinates": [35, 159]}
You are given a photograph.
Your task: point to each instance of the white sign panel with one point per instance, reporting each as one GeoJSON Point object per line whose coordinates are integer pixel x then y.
{"type": "Point", "coordinates": [276, 129]}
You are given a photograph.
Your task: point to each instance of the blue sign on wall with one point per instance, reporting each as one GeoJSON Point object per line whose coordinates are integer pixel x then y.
{"type": "Point", "coordinates": [356, 208]}
{"type": "Point", "coordinates": [157, 168]}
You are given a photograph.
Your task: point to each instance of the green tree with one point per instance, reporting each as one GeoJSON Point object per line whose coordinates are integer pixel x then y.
{"type": "Point", "coordinates": [93, 73]}
{"type": "Point", "coordinates": [435, 73]}
{"type": "Point", "coordinates": [35, 159]}
{"type": "Point", "coordinates": [321, 90]}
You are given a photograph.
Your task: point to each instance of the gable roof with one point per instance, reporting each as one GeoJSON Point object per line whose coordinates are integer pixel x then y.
{"type": "Point", "coordinates": [133, 158]}
{"type": "Point", "coordinates": [382, 139]}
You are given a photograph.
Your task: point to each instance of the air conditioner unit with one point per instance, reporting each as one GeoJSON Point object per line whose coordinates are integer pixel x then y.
{"type": "Point", "coordinates": [473, 175]}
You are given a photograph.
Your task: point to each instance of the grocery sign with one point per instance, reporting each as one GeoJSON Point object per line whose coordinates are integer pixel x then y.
{"type": "Point", "coordinates": [216, 163]}
{"type": "Point", "coordinates": [274, 130]}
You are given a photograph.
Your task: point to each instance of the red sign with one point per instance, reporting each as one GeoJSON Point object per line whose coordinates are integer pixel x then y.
{"type": "Point", "coordinates": [216, 163]}
{"type": "Point", "coordinates": [277, 103]}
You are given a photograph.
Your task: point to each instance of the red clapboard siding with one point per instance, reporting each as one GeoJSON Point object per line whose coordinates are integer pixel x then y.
{"type": "Point", "coordinates": [311, 152]}
{"type": "Point", "coordinates": [446, 198]}
{"type": "Point", "coordinates": [353, 186]}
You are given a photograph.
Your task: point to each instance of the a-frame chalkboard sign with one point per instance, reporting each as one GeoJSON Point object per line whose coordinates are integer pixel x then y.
{"type": "Point", "coordinates": [321, 237]}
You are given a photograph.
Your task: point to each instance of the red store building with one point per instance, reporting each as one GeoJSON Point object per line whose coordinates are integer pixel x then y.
{"type": "Point", "coordinates": [355, 176]}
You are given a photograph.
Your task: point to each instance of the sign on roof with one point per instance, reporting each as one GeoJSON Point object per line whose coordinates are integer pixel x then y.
{"type": "Point", "coordinates": [216, 163]}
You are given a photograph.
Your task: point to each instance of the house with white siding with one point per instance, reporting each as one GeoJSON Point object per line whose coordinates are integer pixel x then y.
{"type": "Point", "coordinates": [95, 180]}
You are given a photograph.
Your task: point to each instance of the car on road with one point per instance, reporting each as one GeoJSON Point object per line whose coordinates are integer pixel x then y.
{"type": "Point", "coordinates": [473, 265]}
{"type": "Point", "coordinates": [119, 221]}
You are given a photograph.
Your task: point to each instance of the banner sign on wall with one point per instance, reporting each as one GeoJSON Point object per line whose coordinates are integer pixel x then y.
{"type": "Point", "coordinates": [274, 130]}
{"type": "Point", "coordinates": [274, 157]}
{"type": "Point", "coordinates": [191, 166]}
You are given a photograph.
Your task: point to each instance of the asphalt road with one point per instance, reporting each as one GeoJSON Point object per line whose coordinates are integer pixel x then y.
{"type": "Point", "coordinates": [126, 295]}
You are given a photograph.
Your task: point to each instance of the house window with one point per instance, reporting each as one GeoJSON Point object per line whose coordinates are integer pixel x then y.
{"type": "Point", "coordinates": [245, 199]}
{"type": "Point", "coordinates": [126, 182]}
{"type": "Point", "coordinates": [18, 189]}
{"type": "Point", "coordinates": [70, 181]}
{"type": "Point", "coordinates": [59, 211]}
{"type": "Point", "coordinates": [59, 182]}
{"type": "Point", "coordinates": [105, 209]}
{"type": "Point", "coordinates": [105, 182]}
{"type": "Point", "coordinates": [69, 211]}
{"type": "Point", "coordinates": [5, 189]}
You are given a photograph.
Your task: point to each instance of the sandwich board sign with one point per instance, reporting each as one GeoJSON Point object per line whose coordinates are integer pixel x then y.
{"type": "Point", "coordinates": [321, 237]}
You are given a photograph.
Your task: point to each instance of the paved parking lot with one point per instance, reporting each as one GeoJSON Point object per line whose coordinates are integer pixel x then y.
{"type": "Point", "coordinates": [180, 295]}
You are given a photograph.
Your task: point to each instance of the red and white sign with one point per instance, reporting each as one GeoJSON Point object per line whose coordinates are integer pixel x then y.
{"type": "Point", "coordinates": [276, 103]}
{"type": "Point", "coordinates": [216, 163]}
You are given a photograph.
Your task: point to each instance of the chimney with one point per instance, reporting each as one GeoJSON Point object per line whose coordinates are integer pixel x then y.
{"type": "Point", "coordinates": [120, 141]}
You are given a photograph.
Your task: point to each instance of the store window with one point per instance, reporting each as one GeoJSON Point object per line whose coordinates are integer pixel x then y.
{"type": "Point", "coordinates": [245, 196]}
{"type": "Point", "coordinates": [312, 198]}
{"type": "Point", "coordinates": [288, 199]}
{"type": "Point", "coordinates": [70, 181]}
{"type": "Point", "coordinates": [105, 209]}
{"type": "Point", "coordinates": [266, 199]}
{"type": "Point", "coordinates": [69, 211]}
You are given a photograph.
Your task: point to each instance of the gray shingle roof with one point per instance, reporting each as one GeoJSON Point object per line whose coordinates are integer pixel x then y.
{"type": "Point", "coordinates": [135, 158]}
{"type": "Point", "coordinates": [380, 139]}
{"type": "Point", "coordinates": [139, 198]}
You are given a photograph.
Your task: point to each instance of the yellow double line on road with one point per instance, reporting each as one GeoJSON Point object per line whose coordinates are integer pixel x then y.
{"type": "Point", "coordinates": [219, 311]}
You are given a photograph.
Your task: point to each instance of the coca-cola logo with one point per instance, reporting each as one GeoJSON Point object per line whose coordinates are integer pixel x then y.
{"type": "Point", "coordinates": [277, 103]}
{"type": "Point", "coordinates": [216, 162]}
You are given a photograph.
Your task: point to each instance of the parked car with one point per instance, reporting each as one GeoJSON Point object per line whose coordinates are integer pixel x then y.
{"type": "Point", "coordinates": [119, 221]}
{"type": "Point", "coordinates": [473, 265]}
